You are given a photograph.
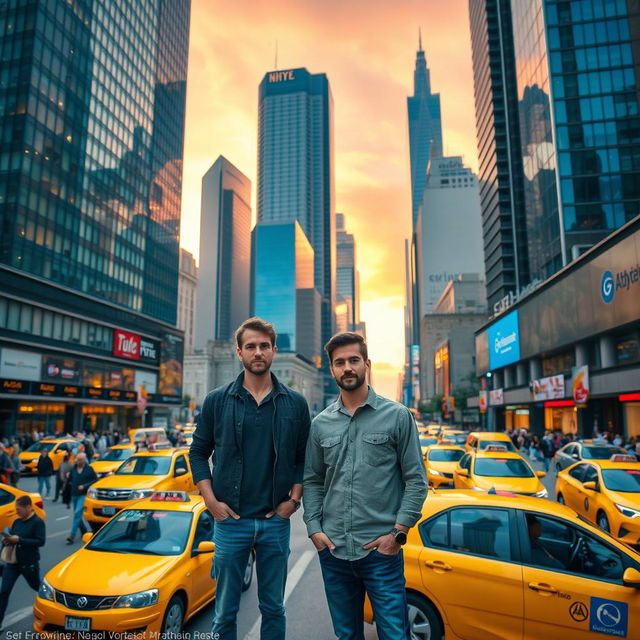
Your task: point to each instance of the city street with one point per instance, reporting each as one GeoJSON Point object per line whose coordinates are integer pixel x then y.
{"type": "Point", "coordinates": [307, 614]}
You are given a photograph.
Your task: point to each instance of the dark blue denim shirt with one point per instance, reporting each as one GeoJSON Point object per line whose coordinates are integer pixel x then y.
{"type": "Point", "coordinates": [219, 432]}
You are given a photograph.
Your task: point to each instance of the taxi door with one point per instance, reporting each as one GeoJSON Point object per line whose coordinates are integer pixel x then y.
{"type": "Point", "coordinates": [469, 571]}
{"type": "Point", "coordinates": [575, 594]}
{"type": "Point", "coordinates": [573, 495]}
{"type": "Point", "coordinates": [589, 499]}
{"type": "Point", "coordinates": [181, 480]}
{"type": "Point", "coordinates": [7, 509]}
{"type": "Point", "coordinates": [200, 564]}
{"type": "Point", "coordinates": [460, 481]}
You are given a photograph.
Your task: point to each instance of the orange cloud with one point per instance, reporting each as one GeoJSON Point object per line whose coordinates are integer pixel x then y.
{"type": "Point", "coordinates": [367, 49]}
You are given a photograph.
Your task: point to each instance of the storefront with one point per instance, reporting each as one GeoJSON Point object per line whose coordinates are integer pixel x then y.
{"type": "Point", "coordinates": [569, 351]}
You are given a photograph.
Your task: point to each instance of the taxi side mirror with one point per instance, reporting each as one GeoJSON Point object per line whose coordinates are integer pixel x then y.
{"type": "Point", "coordinates": [86, 537]}
{"type": "Point", "coordinates": [541, 474]}
{"type": "Point", "coordinates": [591, 486]}
{"type": "Point", "coordinates": [206, 546]}
{"type": "Point", "coordinates": [179, 472]}
{"type": "Point", "coordinates": [631, 578]}
{"type": "Point", "coordinates": [463, 472]}
{"type": "Point", "coordinates": [576, 456]}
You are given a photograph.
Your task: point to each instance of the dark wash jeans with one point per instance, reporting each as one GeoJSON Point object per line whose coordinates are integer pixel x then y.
{"type": "Point", "coordinates": [382, 578]}
{"type": "Point", "coordinates": [10, 574]}
{"type": "Point", "coordinates": [234, 540]}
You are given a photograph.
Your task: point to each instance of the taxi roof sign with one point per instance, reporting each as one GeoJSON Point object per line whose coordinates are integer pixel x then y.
{"type": "Point", "coordinates": [169, 496]}
{"type": "Point", "coordinates": [495, 447]}
{"type": "Point", "coordinates": [623, 457]}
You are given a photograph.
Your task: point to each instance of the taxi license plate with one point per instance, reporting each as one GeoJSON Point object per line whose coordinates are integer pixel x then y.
{"type": "Point", "coordinates": [77, 624]}
{"type": "Point", "coordinates": [108, 511]}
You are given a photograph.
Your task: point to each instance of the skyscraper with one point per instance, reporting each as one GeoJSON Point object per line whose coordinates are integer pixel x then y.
{"type": "Point", "coordinates": [90, 193]}
{"type": "Point", "coordinates": [296, 169]}
{"type": "Point", "coordinates": [425, 129]}
{"type": "Point", "coordinates": [577, 119]}
{"type": "Point", "coordinates": [504, 226]}
{"type": "Point", "coordinates": [347, 277]}
{"type": "Point", "coordinates": [187, 293]}
{"type": "Point", "coordinates": [225, 253]}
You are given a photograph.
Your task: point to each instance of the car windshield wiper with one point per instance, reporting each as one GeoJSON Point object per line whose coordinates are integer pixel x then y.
{"type": "Point", "coordinates": [147, 552]}
{"type": "Point", "coordinates": [107, 549]}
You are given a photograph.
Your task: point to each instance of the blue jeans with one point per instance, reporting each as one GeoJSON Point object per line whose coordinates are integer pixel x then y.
{"type": "Point", "coordinates": [44, 481]}
{"type": "Point", "coordinates": [382, 578]}
{"type": "Point", "coordinates": [10, 573]}
{"type": "Point", "coordinates": [234, 540]}
{"type": "Point", "coordinates": [78, 523]}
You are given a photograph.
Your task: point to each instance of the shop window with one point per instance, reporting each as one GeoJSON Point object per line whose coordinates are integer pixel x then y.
{"type": "Point", "coordinates": [628, 348]}
{"type": "Point", "coordinates": [558, 363]}
{"type": "Point", "coordinates": [13, 316]}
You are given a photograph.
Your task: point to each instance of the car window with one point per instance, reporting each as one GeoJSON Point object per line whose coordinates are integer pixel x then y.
{"type": "Point", "coordinates": [591, 474]}
{"type": "Point", "coordinates": [181, 463]}
{"type": "Point", "coordinates": [445, 455]}
{"type": "Point", "coordinates": [600, 453]}
{"type": "Point", "coordinates": [5, 497]}
{"type": "Point", "coordinates": [502, 468]}
{"type": "Point", "coordinates": [570, 450]}
{"type": "Point", "coordinates": [622, 480]}
{"type": "Point", "coordinates": [578, 472]}
{"type": "Point", "coordinates": [507, 444]}
{"type": "Point", "coordinates": [146, 466]}
{"type": "Point", "coordinates": [557, 545]}
{"type": "Point", "coordinates": [204, 529]}
{"type": "Point", "coordinates": [435, 532]}
{"type": "Point", "coordinates": [481, 531]}
{"type": "Point", "coordinates": [465, 461]}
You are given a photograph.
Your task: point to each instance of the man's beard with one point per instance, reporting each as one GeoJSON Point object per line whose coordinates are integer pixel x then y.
{"type": "Point", "coordinates": [351, 382]}
{"type": "Point", "coordinates": [250, 366]}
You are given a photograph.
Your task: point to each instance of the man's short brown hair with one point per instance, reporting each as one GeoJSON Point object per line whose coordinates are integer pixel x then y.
{"type": "Point", "coordinates": [256, 324]}
{"type": "Point", "coordinates": [24, 501]}
{"type": "Point", "coordinates": [342, 340]}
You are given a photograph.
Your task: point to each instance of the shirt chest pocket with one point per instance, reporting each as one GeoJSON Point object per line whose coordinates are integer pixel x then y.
{"type": "Point", "coordinates": [330, 446]}
{"type": "Point", "coordinates": [378, 449]}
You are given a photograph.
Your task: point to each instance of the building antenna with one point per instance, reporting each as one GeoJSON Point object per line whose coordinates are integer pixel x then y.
{"type": "Point", "coordinates": [276, 55]}
{"type": "Point", "coordinates": [419, 38]}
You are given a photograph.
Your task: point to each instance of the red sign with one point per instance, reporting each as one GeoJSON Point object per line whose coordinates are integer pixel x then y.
{"type": "Point", "coordinates": [126, 345]}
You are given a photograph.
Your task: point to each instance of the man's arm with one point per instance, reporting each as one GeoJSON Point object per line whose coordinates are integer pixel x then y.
{"type": "Point", "coordinates": [413, 471]}
{"type": "Point", "coordinates": [39, 536]}
{"type": "Point", "coordinates": [314, 476]}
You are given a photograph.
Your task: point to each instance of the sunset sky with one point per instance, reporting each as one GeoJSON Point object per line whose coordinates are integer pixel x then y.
{"type": "Point", "coordinates": [367, 49]}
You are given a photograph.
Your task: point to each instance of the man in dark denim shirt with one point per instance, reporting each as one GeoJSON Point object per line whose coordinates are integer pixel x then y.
{"type": "Point", "coordinates": [257, 430]}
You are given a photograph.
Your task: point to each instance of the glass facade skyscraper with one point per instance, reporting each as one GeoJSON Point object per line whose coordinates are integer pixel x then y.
{"type": "Point", "coordinates": [347, 277]}
{"type": "Point", "coordinates": [425, 129]}
{"type": "Point", "coordinates": [577, 88]}
{"type": "Point", "coordinates": [296, 170]}
{"type": "Point", "coordinates": [284, 287]}
{"type": "Point", "coordinates": [92, 101]}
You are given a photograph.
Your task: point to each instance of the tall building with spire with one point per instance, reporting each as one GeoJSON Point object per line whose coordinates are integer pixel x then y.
{"type": "Point", "coordinates": [425, 128]}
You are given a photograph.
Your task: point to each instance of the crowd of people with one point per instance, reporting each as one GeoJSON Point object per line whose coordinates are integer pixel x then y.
{"type": "Point", "coordinates": [544, 448]}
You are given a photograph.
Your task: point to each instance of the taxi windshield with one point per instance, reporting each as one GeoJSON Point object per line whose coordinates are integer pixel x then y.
{"type": "Point", "coordinates": [622, 480]}
{"type": "Point", "coordinates": [445, 455]}
{"type": "Point", "coordinates": [146, 466]}
{"type": "Point", "coordinates": [144, 531]}
{"type": "Point", "coordinates": [42, 446]}
{"type": "Point", "coordinates": [425, 442]}
{"type": "Point", "coordinates": [600, 453]}
{"type": "Point", "coordinates": [113, 455]}
{"type": "Point", "coordinates": [502, 468]}
{"type": "Point", "coordinates": [507, 444]}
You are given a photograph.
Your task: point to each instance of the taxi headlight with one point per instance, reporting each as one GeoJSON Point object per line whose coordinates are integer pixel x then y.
{"type": "Point", "coordinates": [542, 494]}
{"type": "Point", "coordinates": [627, 512]}
{"type": "Point", "coordinates": [478, 489]}
{"type": "Point", "coordinates": [92, 493]}
{"type": "Point", "coordinates": [46, 591]}
{"type": "Point", "coordinates": [433, 472]}
{"type": "Point", "coordinates": [137, 600]}
{"type": "Point", "coordinates": [138, 494]}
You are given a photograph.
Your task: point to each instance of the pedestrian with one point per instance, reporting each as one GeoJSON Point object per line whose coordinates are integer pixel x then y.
{"type": "Point", "coordinates": [364, 488]}
{"type": "Point", "coordinates": [548, 449]}
{"type": "Point", "coordinates": [81, 477]}
{"type": "Point", "coordinates": [45, 471]}
{"type": "Point", "coordinates": [258, 428]}
{"type": "Point", "coordinates": [61, 479]}
{"type": "Point", "coordinates": [26, 536]}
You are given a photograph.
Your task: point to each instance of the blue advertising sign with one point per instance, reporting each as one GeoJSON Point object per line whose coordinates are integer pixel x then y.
{"type": "Point", "coordinates": [504, 341]}
{"type": "Point", "coordinates": [609, 617]}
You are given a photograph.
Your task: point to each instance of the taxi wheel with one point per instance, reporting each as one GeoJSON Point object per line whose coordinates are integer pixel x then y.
{"type": "Point", "coordinates": [560, 499]}
{"type": "Point", "coordinates": [173, 617]}
{"type": "Point", "coordinates": [603, 521]}
{"type": "Point", "coordinates": [248, 572]}
{"type": "Point", "coordinates": [424, 622]}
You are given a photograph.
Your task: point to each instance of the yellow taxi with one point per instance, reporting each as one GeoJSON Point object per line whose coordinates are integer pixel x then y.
{"type": "Point", "coordinates": [453, 436]}
{"type": "Point", "coordinates": [481, 566]}
{"type": "Point", "coordinates": [426, 441]}
{"type": "Point", "coordinates": [440, 462]}
{"type": "Point", "coordinates": [112, 458]}
{"type": "Point", "coordinates": [480, 440]}
{"type": "Point", "coordinates": [499, 469]}
{"type": "Point", "coordinates": [56, 447]}
{"type": "Point", "coordinates": [8, 496]}
{"type": "Point", "coordinates": [150, 572]}
{"type": "Point", "coordinates": [147, 435]}
{"type": "Point", "coordinates": [138, 477]}
{"type": "Point", "coordinates": [606, 492]}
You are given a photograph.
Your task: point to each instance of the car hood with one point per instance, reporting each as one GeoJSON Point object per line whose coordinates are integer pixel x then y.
{"type": "Point", "coordinates": [446, 467]}
{"type": "Point", "coordinates": [28, 456]}
{"type": "Point", "coordinates": [112, 574]}
{"type": "Point", "coordinates": [631, 500]}
{"type": "Point", "coordinates": [515, 485]}
{"type": "Point", "coordinates": [106, 466]}
{"type": "Point", "coordinates": [128, 482]}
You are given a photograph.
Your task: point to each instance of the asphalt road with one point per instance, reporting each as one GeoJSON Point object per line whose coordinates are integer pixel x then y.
{"type": "Point", "coordinates": [307, 613]}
